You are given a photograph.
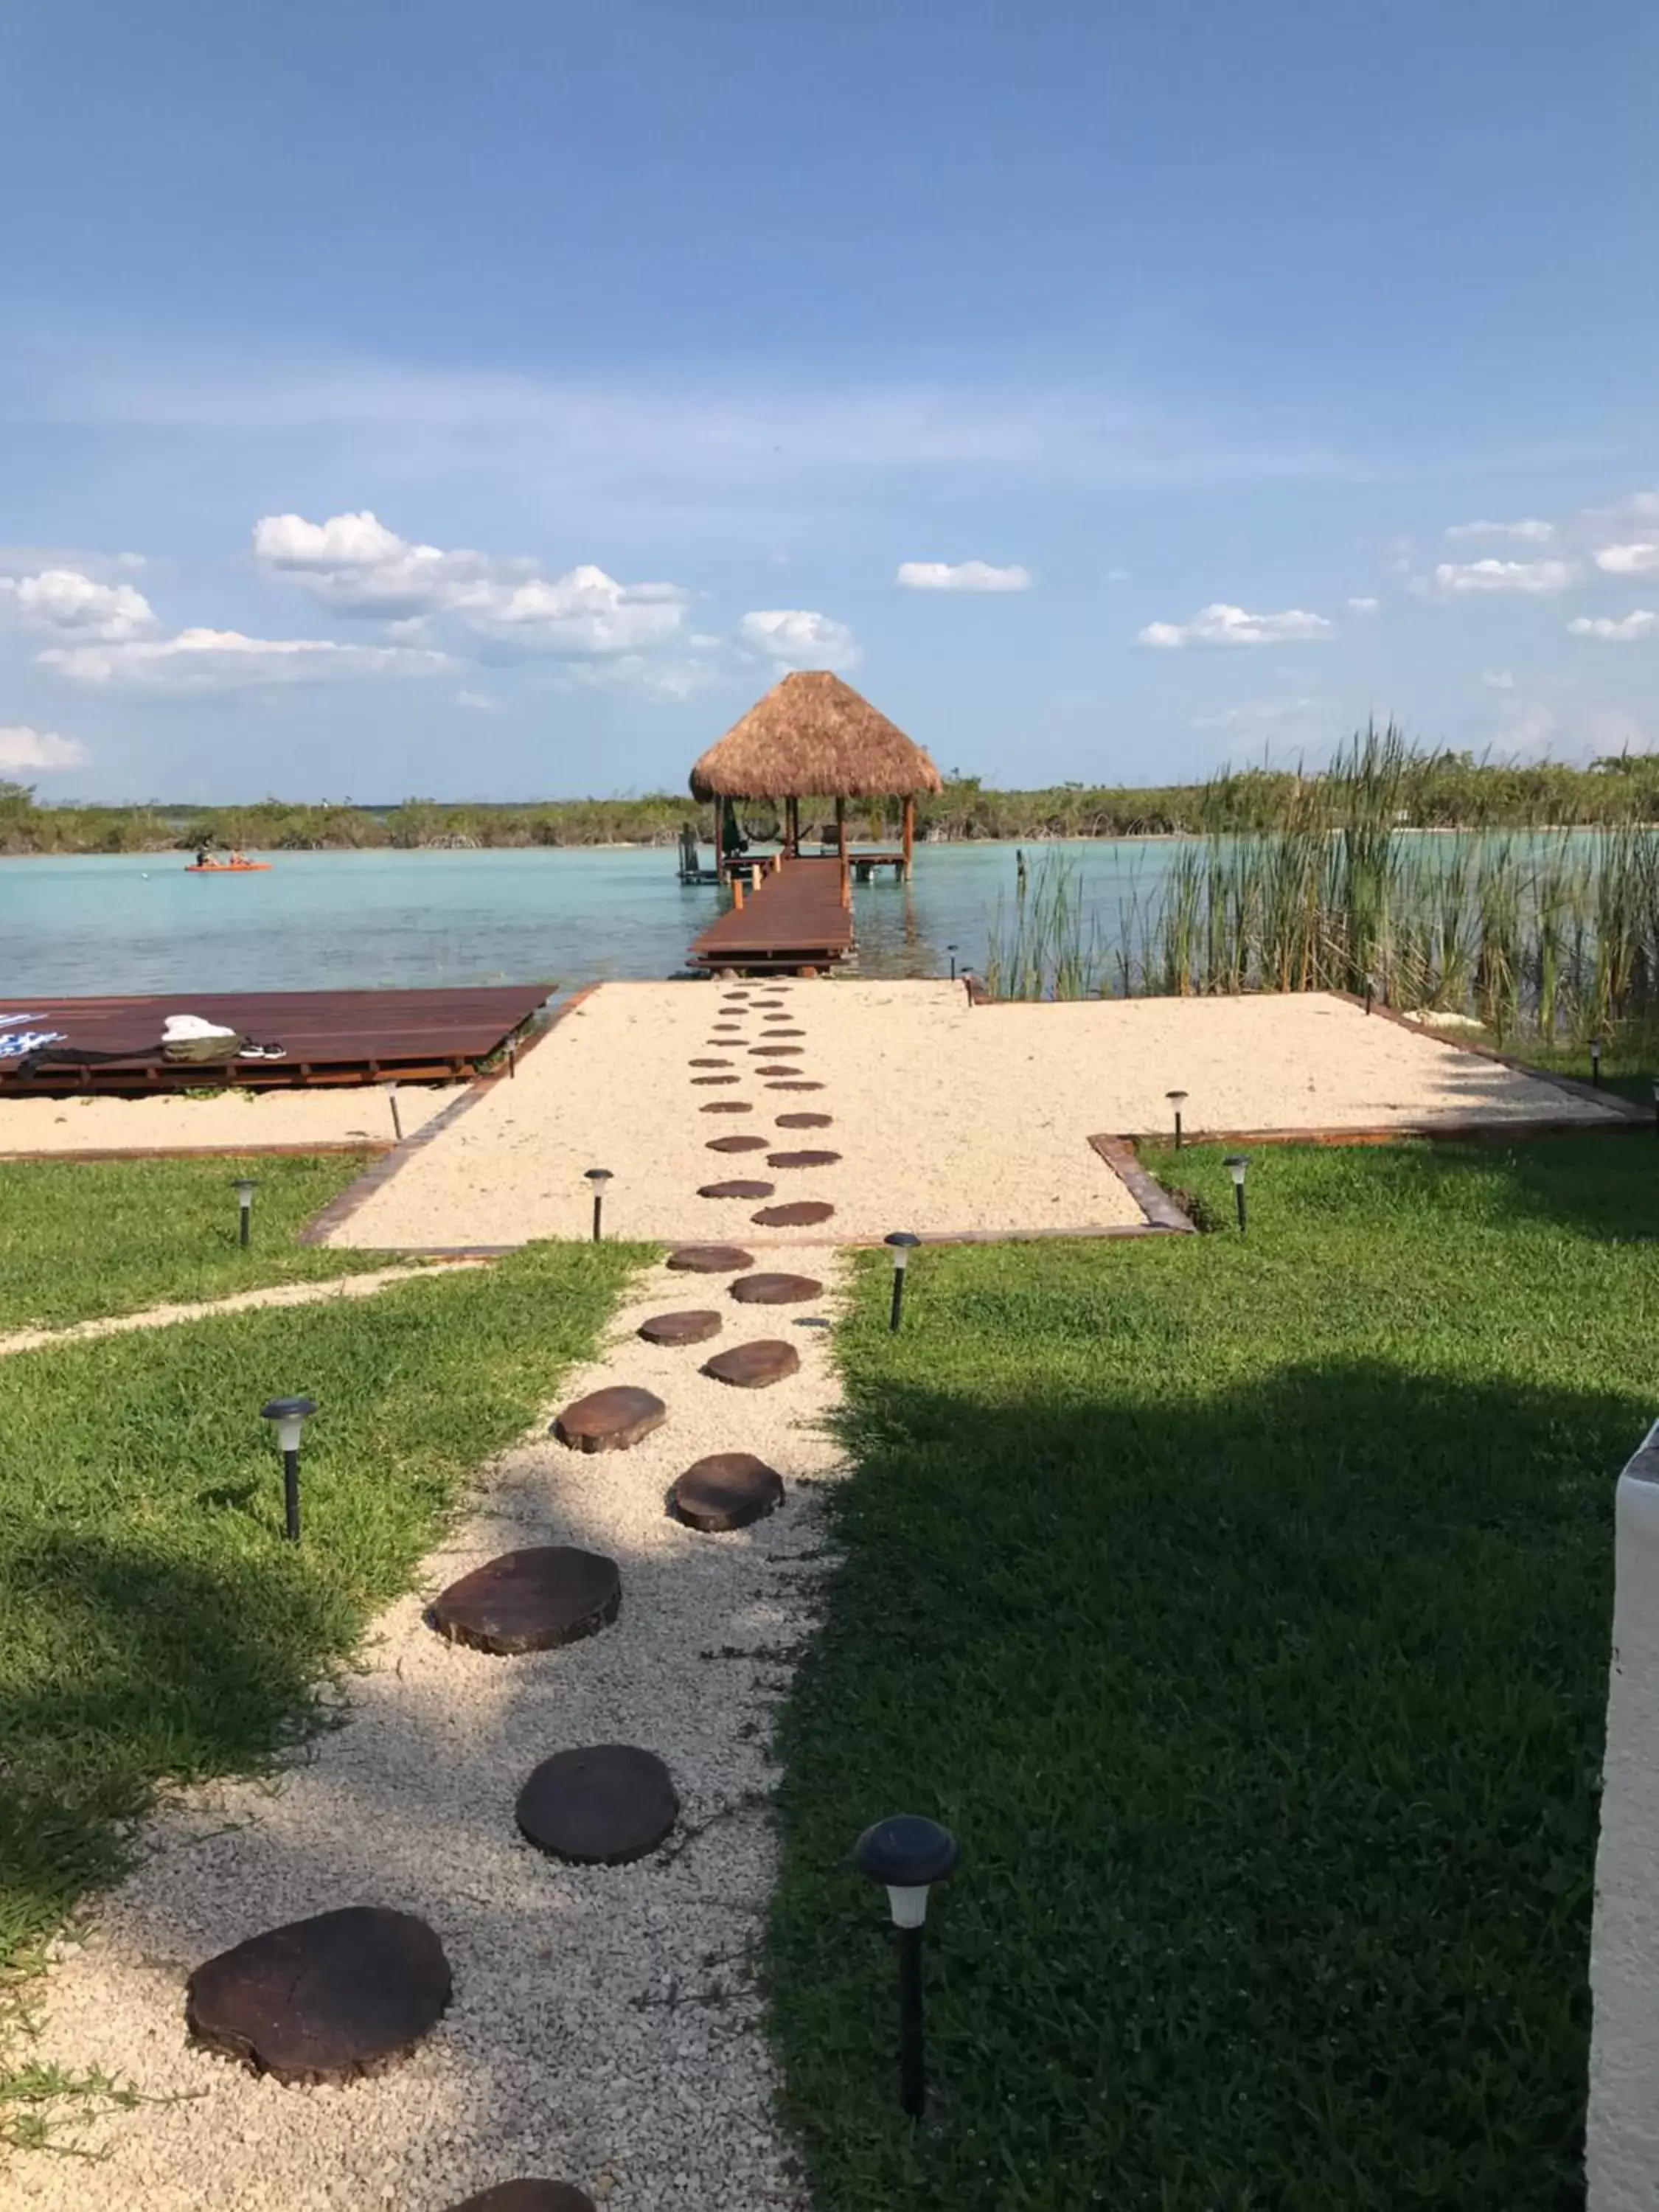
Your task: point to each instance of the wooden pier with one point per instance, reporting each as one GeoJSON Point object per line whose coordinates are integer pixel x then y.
{"type": "Point", "coordinates": [113, 1045]}
{"type": "Point", "coordinates": [799, 915]}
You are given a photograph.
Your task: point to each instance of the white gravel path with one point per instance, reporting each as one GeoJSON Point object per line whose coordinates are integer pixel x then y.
{"type": "Point", "coordinates": [251, 1121]}
{"type": "Point", "coordinates": [606, 2023]}
{"type": "Point", "coordinates": [949, 1117]}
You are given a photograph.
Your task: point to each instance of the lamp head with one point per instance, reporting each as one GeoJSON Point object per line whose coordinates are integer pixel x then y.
{"type": "Point", "coordinates": [1236, 1164]}
{"type": "Point", "coordinates": [1175, 1097]}
{"type": "Point", "coordinates": [245, 1187]}
{"type": "Point", "coordinates": [291, 1415]}
{"type": "Point", "coordinates": [598, 1176]}
{"type": "Point", "coordinates": [907, 1854]}
{"type": "Point", "coordinates": [901, 1244]}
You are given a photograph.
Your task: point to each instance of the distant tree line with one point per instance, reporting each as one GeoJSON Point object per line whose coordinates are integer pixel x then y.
{"type": "Point", "coordinates": [1439, 790]}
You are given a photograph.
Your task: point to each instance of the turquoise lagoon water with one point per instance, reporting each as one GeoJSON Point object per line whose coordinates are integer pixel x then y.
{"type": "Point", "coordinates": [136, 922]}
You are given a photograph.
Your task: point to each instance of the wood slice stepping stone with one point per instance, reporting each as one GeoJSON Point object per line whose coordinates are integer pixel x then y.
{"type": "Point", "coordinates": [737, 1189]}
{"type": "Point", "coordinates": [601, 1806]}
{"type": "Point", "coordinates": [696, 1327]}
{"type": "Point", "coordinates": [776, 1051]}
{"type": "Point", "coordinates": [754, 1366]}
{"type": "Point", "coordinates": [777, 1290]}
{"type": "Point", "coordinates": [705, 1080]}
{"type": "Point", "coordinates": [710, 1063]}
{"type": "Point", "coordinates": [612, 1420]}
{"type": "Point", "coordinates": [727, 1489]}
{"type": "Point", "coordinates": [787, 1086]}
{"type": "Point", "coordinates": [739, 1144]}
{"type": "Point", "coordinates": [796, 1215]}
{"type": "Point", "coordinates": [801, 1159]}
{"type": "Point", "coordinates": [782, 1033]}
{"type": "Point", "coordinates": [710, 1259]}
{"type": "Point", "coordinates": [729, 1106]}
{"type": "Point", "coordinates": [530, 1601]}
{"type": "Point", "coordinates": [528, 2196]}
{"type": "Point", "coordinates": [325, 1999]}
{"type": "Point", "coordinates": [804, 1121]}
{"type": "Point", "coordinates": [768, 1005]}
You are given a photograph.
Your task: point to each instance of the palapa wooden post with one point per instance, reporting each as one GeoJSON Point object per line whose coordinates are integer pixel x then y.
{"type": "Point", "coordinates": [841, 827]}
{"type": "Point", "coordinates": [909, 835]}
{"type": "Point", "coordinates": [737, 891]}
{"type": "Point", "coordinates": [718, 853]}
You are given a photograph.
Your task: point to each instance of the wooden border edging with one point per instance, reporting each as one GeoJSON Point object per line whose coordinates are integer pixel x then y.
{"type": "Point", "coordinates": [1626, 1109]}
{"type": "Point", "coordinates": [1148, 1193]}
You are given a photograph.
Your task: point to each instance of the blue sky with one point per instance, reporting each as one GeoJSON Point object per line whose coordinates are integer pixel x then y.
{"type": "Point", "coordinates": [492, 400]}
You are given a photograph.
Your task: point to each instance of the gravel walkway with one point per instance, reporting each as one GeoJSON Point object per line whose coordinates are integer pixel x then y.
{"type": "Point", "coordinates": [248, 1121]}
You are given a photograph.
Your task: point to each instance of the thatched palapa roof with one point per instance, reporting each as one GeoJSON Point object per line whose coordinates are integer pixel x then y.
{"type": "Point", "coordinates": [813, 735]}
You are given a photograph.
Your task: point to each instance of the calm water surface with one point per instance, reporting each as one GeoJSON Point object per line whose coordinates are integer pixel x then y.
{"type": "Point", "coordinates": [135, 922]}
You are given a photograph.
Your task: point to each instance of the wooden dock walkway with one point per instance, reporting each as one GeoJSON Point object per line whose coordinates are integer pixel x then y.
{"type": "Point", "coordinates": [799, 916]}
{"type": "Point", "coordinates": [327, 1037]}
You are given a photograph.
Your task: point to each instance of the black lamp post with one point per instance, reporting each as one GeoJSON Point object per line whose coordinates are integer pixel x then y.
{"type": "Point", "coordinates": [599, 1178]}
{"type": "Point", "coordinates": [908, 1855]}
{"type": "Point", "coordinates": [397, 1118]}
{"type": "Point", "coordinates": [1177, 1099]}
{"type": "Point", "coordinates": [951, 950]}
{"type": "Point", "coordinates": [902, 1245]}
{"type": "Point", "coordinates": [245, 1187]}
{"type": "Point", "coordinates": [291, 1415]}
{"type": "Point", "coordinates": [1595, 1061]}
{"type": "Point", "coordinates": [1236, 1164]}
{"type": "Point", "coordinates": [1655, 1101]}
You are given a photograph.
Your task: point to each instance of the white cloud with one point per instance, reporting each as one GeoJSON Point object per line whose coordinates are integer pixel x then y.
{"type": "Point", "coordinates": [352, 564]}
{"type": "Point", "coordinates": [795, 637]}
{"type": "Point", "coordinates": [64, 599]}
{"type": "Point", "coordinates": [1637, 560]}
{"type": "Point", "coordinates": [1529, 532]}
{"type": "Point", "coordinates": [961, 576]}
{"type": "Point", "coordinates": [1621, 630]}
{"type": "Point", "coordinates": [21, 747]}
{"type": "Point", "coordinates": [477, 702]}
{"type": "Point", "coordinates": [1220, 625]}
{"type": "Point", "coordinates": [1459, 580]}
{"type": "Point", "coordinates": [1364, 606]}
{"type": "Point", "coordinates": [1252, 713]}
{"type": "Point", "coordinates": [1498, 679]}
{"type": "Point", "coordinates": [225, 660]}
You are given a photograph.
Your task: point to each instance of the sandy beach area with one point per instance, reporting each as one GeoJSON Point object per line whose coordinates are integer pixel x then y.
{"type": "Point", "coordinates": [248, 1121]}
{"type": "Point", "coordinates": [943, 1117]}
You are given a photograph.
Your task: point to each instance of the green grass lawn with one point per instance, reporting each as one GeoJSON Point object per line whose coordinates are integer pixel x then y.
{"type": "Point", "coordinates": [1243, 1605]}
{"type": "Point", "coordinates": [81, 1238]}
{"type": "Point", "coordinates": [157, 1627]}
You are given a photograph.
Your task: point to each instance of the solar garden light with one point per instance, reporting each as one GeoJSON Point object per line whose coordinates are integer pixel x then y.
{"type": "Point", "coordinates": [902, 1245]}
{"type": "Point", "coordinates": [397, 1118]}
{"type": "Point", "coordinates": [951, 950]}
{"type": "Point", "coordinates": [599, 1178]}
{"type": "Point", "coordinates": [1595, 1061]}
{"type": "Point", "coordinates": [908, 1855]}
{"type": "Point", "coordinates": [291, 1415]}
{"type": "Point", "coordinates": [1655, 1101]}
{"type": "Point", "coordinates": [1236, 1164]}
{"type": "Point", "coordinates": [1370, 992]}
{"type": "Point", "coordinates": [1178, 1100]}
{"type": "Point", "coordinates": [245, 1187]}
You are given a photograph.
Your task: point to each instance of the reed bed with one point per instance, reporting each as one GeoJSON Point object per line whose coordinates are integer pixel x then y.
{"type": "Point", "coordinates": [1553, 932]}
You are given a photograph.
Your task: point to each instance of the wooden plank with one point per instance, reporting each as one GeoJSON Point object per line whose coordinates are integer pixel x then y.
{"type": "Point", "coordinates": [795, 913]}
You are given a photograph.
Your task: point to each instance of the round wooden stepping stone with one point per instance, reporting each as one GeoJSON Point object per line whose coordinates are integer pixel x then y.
{"type": "Point", "coordinates": [730, 1105]}
{"type": "Point", "coordinates": [801, 1159]}
{"type": "Point", "coordinates": [768, 1005]}
{"type": "Point", "coordinates": [789, 1086]}
{"type": "Point", "coordinates": [710, 1259]}
{"type": "Point", "coordinates": [776, 1051]}
{"type": "Point", "coordinates": [754, 1366]}
{"type": "Point", "coordinates": [696, 1327]}
{"type": "Point", "coordinates": [706, 1079]}
{"type": "Point", "coordinates": [739, 1144]}
{"type": "Point", "coordinates": [804, 1121]}
{"type": "Point", "coordinates": [612, 1419]}
{"type": "Point", "coordinates": [783, 1033]}
{"type": "Point", "coordinates": [710, 1063]}
{"type": "Point", "coordinates": [325, 1999]}
{"type": "Point", "coordinates": [737, 1189]}
{"type": "Point", "coordinates": [775, 1290]}
{"type": "Point", "coordinates": [528, 2196]}
{"type": "Point", "coordinates": [796, 1215]}
{"type": "Point", "coordinates": [601, 1806]}
{"type": "Point", "coordinates": [530, 1601]}
{"type": "Point", "coordinates": [727, 1489]}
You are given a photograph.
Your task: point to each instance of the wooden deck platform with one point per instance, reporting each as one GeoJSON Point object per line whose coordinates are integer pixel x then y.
{"type": "Point", "coordinates": [328, 1036]}
{"type": "Point", "coordinates": [794, 919]}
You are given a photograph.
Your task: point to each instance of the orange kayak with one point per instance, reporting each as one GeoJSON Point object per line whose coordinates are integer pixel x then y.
{"type": "Point", "coordinates": [226, 867]}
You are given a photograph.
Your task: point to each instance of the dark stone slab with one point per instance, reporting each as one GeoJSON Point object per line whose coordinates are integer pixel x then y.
{"type": "Point", "coordinates": [736, 1187]}
{"type": "Point", "coordinates": [754, 1366]}
{"type": "Point", "coordinates": [601, 1806]}
{"type": "Point", "coordinates": [729, 1106]}
{"type": "Point", "coordinates": [528, 2196]}
{"type": "Point", "coordinates": [797, 1215]}
{"type": "Point", "coordinates": [789, 1086]}
{"type": "Point", "coordinates": [612, 1419]}
{"type": "Point", "coordinates": [738, 1144]}
{"type": "Point", "coordinates": [776, 1051]}
{"type": "Point", "coordinates": [696, 1327]}
{"type": "Point", "coordinates": [714, 1079]}
{"type": "Point", "coordinates": [775, 1290]}
{"type": "Point", "coordinates": [530, 1601]}
{"type": "Point", "coordinates": [322, 2000]}
{"type": "Point", "coordinates": [804, 1121]}
{"type": "Point", "coordinates": [710, 1259]}
{"type": "Point", "coordinates": [727, 1489]}
{"type": "Point", "coordinates": [801, 1159]}
{"type": "Point", "coordinates": [710, 1063]}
